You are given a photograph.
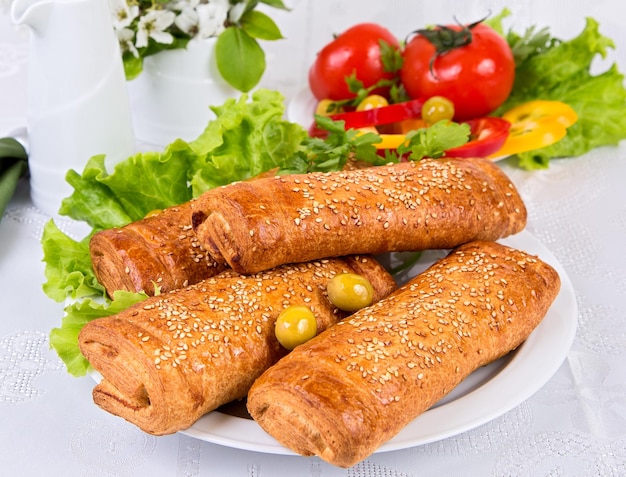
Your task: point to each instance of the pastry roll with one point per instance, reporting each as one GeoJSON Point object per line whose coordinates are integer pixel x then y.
{"type": "Point", "coordinates": [431, 204]}
{"type": "Point", "coordinates": [160, 250]}
{"type": "Point", "coordinates": [350, 389]}
{"type": "Point", "coordinates": [174, 357]}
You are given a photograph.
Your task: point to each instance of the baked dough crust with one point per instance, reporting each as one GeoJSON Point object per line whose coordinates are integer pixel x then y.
{"type": "Point", "coordinates": [353, 387]}
{"type": "Point", "coordinates": [431, 204]}
{"type": "Point", "coordinates": [172, 358]}
{"type": "Point", "coordinates": [158, 251]}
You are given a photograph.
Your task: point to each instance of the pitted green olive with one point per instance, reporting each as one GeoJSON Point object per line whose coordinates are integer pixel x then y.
{"type": "Point", "coordinates": [350, 292]}
{"type": "Point", "coordinates": [294, 326]}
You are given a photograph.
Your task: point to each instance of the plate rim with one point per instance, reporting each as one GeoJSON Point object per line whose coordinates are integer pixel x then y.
{"type": "Point", "coordinates": [541, 355]}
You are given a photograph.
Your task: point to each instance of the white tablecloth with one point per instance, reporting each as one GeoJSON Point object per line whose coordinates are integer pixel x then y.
{"type": "Point", "coordinates": [575, 425]}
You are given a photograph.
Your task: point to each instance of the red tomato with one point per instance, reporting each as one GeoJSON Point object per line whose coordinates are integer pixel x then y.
{"type": "Point", "coordinates": [357, 50]}
{"type": "Point", "coordinates": [477, 77]}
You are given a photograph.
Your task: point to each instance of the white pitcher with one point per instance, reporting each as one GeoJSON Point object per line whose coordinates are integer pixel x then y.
{"type": "Point", "coordinates": [77, 99]}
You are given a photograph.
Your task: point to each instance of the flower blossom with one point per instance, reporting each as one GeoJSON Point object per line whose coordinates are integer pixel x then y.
{"type": "Point", "coordinates": [153, 25]}
{"type": "Point", "coordinates": [236, 11]}
{"type": "Point", "coordinates": [211, 17]}
{"type": "Point", "coordinates": [187, 19]}
{"type": "Point", "coordinates": [126, 37]}
{"type": "Point", "coordinates": [123, 14]}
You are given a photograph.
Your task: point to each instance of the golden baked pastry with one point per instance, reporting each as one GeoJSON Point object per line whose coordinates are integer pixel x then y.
{"type": "Point", "coordinates": [431, 204]}
{"type": "Point", "coordinates": [172, 358]}
{"type": "Point", "coordinates": [353, 387]}
{"type": "Point", "coordinates": [158, 251]}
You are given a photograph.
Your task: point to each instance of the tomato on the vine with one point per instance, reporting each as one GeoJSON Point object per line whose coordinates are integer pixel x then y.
{"type": "Point", "coordinates": [472, 66]}
{"type": "Point", "coordinates": [357, 51]}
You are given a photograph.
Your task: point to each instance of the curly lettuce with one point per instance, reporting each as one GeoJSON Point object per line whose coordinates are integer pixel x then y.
{"type": "Point", "coordinates": [551, 69]}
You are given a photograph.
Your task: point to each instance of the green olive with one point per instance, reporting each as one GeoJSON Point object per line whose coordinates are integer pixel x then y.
{"type": "Point", "coordinates": [350, 292]}
{"type": "Point", "coordinates": [437, 108]}
{"type": "Point", "coordinates": [294, 326]}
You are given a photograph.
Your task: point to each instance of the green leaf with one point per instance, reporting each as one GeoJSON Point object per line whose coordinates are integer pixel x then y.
{"type": "Point", "coordinates": [133, 65]}
{"type": "Point", "coordinates": [390, 56]}
{"type": "Point", "coordinates": [332, 153]}
{"type": "Point", "coordinates": [435, 140]}
{"type": "Point", "coordinates": [149, 181]}
{"type": "Point", "coordinates": [142, 183]}
{"type": "Point", "coordinates": [562, 71]}
{"type": "Point", "coordinates": [13, 165]}
{"type": "Point", "coordinates": [247, 138]}
{"type": "Point", "coordinates": [11, 148]}
{"type": "Point", "coordinates": [68, 268]}
{"type": "Point", "coordinates": [259, 25]}
{"type": "Point", "coordinates": [64, 339]}
{"type": "Point", "coordinates": [91, 201]}
{"type": "Point", "coordinates": [240, 59]}
{"type": "Point", "coordinates": [496, 22]}
{"type": "Point", "coordinates": [275, 3]}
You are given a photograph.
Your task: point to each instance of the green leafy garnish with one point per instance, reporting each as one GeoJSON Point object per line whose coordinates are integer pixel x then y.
{"type": "Point", "coordinates": [65, 339]}
{"type": "Point", "coordinates": [550, 69]}
{"type": "Point", "coordinates": [433, 141]}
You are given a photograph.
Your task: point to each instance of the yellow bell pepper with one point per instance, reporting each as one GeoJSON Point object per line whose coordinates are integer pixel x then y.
{"type": "Point", "coordinates": [536, 124]}
{"type": "Point", "coordinates": [388, 141]}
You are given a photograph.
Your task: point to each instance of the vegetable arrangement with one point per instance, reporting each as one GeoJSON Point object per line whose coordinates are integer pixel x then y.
{"type": "Point", "coordinates": [541, 86]}
{"type": "Point", "coordinates": [553, 91]}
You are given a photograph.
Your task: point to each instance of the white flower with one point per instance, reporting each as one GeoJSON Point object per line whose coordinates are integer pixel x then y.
{"type": "Point", "coordinates": [123, 14]}
{"type": "Point", "coordinates": [152, 25]}
{"type": "Point", "coordinates": [236, 11]}
{"type": "Point", "coordinates": [180, 5]}
{"type": "Point", "coordinates": [187, 20]}
{"type": "Point", "coordinates": [126, 36]}
{"type": "Point", "coordinates": [211, 17]}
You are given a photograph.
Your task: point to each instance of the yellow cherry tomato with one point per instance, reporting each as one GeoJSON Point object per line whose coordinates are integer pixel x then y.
{"type": "Point", "coordinates": [437, 108]}
{"type": "Point", "coordinates": [350, 291]}
{"type": "Point", "coordinates": [536, 124]}
{"type": "Point", "coordinates": [326, 107]}
{"type": "Point", "coordinates": [295, 325]}
{"type": "Point", "coordinates": [372, 101]}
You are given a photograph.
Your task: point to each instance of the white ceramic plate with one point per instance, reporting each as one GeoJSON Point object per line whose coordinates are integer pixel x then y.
{"type": "Point", "coordinates": [483, 396]}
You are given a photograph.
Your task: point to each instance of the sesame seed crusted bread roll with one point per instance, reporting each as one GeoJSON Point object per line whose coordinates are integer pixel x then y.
{"type": "Point", "coordinates": [160, 250]}
{"type": "Point", "coordinates": [172, 358]}
{"type": "Point", "coordinates": [431, 204]}
{"type": "Point", "coordinates": [353, 387]}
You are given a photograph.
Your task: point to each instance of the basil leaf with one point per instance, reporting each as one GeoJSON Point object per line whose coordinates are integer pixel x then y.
{"type": "Point", "coordinates": [275, 4]}
{"type": "Point", "coordinates": [240, 59]}
{"type": "Point", "coordinates": [259, 25]}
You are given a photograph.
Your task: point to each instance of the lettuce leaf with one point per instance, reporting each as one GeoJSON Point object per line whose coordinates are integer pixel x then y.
{"type": "Point", "coordinates": [551, 69]}
{"type": "Point", "coordinates": [68, 271]}
{"type": "Point", "coordinates": [65, 339]}
{"type": "Point", "coordinates": [246, 139]}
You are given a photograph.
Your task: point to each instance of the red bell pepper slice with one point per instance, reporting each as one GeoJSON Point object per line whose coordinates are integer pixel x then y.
{"type": "Point", "coordinates": [487, 136]}
{"type": "Point", "coordinates": [374, 117]}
